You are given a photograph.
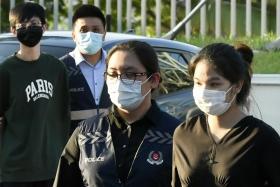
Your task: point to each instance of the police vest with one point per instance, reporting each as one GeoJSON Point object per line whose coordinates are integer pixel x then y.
{"type": "Point", "coordinates": [152, 164]}
{"type": "Point", "coordinates": [82, 103]}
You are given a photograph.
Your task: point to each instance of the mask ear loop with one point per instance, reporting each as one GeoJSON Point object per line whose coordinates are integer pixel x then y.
{"type": "Point", "coordinates": [146, 80]}
{"type": "Point", "coordinates": [144, 83]}
{"type": "Point", "coordinates": [229, 89]}
{"type": "Point", "coordinates": [147, 93]}
{"type": "Point", "coordinates": [232, 97]}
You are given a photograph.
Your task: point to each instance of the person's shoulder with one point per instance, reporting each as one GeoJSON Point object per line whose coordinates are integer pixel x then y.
{"type": "Point", "coordinates": [264, 130]}
{"type": "Point", "coordinates": [163, 118]}
{"type": "Point", "coordinates": [189, 124]}
{"type": "Point", "coordinates": [68, 60]}
{"type": "Point", "coordinates": [192, 113]}
{"type": "Point", "coordinates": [92, 124]}
{"type": "Point", "coordinates": [268, 136]}
{"type": "Point", "coordinates": [256, 123]}
{"type": "Point", "coordinates": [66, 57]}
{"type": "Point", "coordinates": [54, 61]}
{"type": "Point", "coordinates": [169, 118]}
{"type": "Point", "coordinates": [48, 57]}
{"type": "Point", "coordinates": [7, 62]}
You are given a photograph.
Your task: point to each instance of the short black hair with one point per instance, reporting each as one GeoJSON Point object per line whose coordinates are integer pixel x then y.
{"type": "Point", "coordinates": [88, 11]}
{"type": "Point", "coordinates": [25, 11]}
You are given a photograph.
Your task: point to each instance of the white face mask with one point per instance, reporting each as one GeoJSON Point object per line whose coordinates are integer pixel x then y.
{"type": "Point", "coordinates": [212, 102]}
{"type": "Point", "coordinates": [126, 96]}
{"type": "Point", "coordinates": [89, 43]}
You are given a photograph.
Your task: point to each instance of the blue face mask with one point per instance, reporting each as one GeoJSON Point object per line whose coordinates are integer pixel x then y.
{"type": "Point", "coordinates": [126, 96]}
{"type": "Point", "coordinates": [89, 43]}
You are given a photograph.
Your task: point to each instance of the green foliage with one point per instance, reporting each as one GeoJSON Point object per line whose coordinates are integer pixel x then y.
{"type": "Point", "coordinates": [267, 62]}
{"type": "Point", "coordinates": [256, 42]}
{"type": "Point", "coordinates": [5, 6]}
{"type": "Point", "coordinates": [4, 16]}
{"type": "Point", "coordinates": [264, 61]}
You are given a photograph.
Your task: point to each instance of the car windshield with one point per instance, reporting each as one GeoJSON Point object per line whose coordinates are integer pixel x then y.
{"type": "Point", "coordinates": [7, 50]}
{"type": "Point", "coordinates": [174, 72]}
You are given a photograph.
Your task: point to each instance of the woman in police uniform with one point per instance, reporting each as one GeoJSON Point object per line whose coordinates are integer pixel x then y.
{"type": "Point", "coordinates": [132, 145]}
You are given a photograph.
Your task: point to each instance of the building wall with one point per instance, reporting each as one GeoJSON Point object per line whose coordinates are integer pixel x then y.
{"type": "Point", "coordinates": [266, 98]}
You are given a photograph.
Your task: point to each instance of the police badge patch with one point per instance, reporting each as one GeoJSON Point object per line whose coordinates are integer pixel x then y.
{"type": "Point", "coordinates": [155, 157]}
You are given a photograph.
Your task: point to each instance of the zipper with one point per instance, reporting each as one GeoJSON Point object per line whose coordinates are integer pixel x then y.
{"type": "Point", "coordinates": [136, 156]}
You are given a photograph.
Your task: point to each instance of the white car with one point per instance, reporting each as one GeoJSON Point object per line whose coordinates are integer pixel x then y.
{"type": "Point", "coordinates": [175, 93]}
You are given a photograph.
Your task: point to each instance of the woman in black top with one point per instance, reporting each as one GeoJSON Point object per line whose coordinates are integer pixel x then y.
{"type": "Point", "coordinates": [223, 146]}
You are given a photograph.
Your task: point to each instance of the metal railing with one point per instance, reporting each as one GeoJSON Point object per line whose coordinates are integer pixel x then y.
{"type": "Point", "coordinates": [129, 15]}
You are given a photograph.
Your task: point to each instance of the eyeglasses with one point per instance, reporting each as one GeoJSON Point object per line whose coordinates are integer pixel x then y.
{"type": "Point", "coordinates": [124, 76]}
{"type": "Point", "coordinates": [28, 24]}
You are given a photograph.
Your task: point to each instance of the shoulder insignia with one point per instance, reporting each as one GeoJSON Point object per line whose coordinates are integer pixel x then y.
{"type": "Point", "coordinates": [94, 137]}
{"type": "Point", "coordinates": [158, 137]}
{"type": "Point", "coordinates": [72, 71]}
